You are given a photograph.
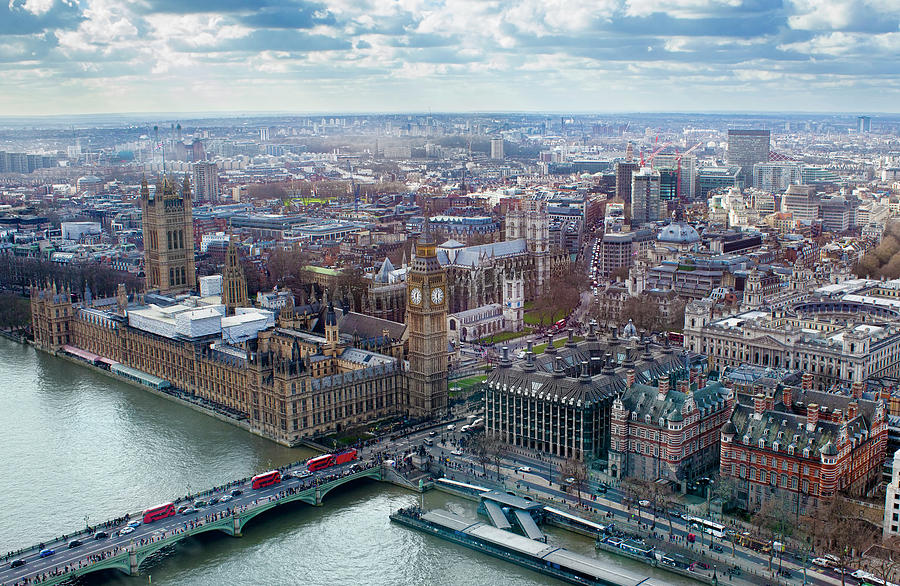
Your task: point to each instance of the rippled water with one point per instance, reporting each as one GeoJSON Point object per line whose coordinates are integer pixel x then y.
{"type": "Point", "coordinates": [77, 443]}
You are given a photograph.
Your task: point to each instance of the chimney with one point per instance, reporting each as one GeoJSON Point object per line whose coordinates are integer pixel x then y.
{"type": "Point", "coordinates": [663, 384]}
{"type": "Point", "coordinates": [684, 385]}
{"type": "Point", "coordinates": [852, 410]}
{"type": "Point", "coordinates": [592, 329]}
{"type": "Point", "coordinates": [629, 378]}
{"type": "Point", "coordinates": [786, 398]}
{"type": "Point", "coordinates": [530, 346]}
{"type": "Point", "coordinates": [571, 341]}
{"type": "Point", "coordinates": [857, 389]}
{"type": "Point", "coordinates": [770, 401]}
{"type": "Point", "coordinates": [807, 381]}
{"type": "Point", "coordinates": [701, 380]}
{"type": "Point", "coordinates": [558, 367]}
{"type": "Point", "coordinates": [759, 404]}
{"type": "Point", "coordinates": [812, 416]}
{"type": "Point", "coordinates": [585, 373]}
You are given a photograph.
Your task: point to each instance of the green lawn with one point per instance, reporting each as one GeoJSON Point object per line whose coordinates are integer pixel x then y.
{"type": "Point", "coordinates": [533, 319]}
{"type": "Point", "coordinates": [466, 384]}
{"type": "Point", "coordinates": [504, 336]}
{"type": "Point", "coordinates": [539, 349]}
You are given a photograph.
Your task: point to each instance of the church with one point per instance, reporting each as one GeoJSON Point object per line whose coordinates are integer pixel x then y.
{"type": "Point", "coordinates": [286, 374]}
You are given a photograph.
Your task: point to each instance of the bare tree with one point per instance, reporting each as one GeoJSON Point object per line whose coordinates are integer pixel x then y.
{"type": "Point", "coordinates": [574, 469]}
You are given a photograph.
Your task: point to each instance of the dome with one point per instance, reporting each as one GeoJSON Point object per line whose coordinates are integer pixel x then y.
{"type": "Point", "coordinates": [678, 233]}
{"type": "Point", "coordinates": [629, 330]}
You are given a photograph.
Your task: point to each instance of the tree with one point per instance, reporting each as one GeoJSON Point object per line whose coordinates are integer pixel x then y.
{"type": "Point", "coordinates": [575, 469]}
{"type": "Point", "coordinates": [15, 312]}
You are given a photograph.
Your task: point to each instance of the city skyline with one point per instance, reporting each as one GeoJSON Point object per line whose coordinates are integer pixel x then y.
{"type": "Point", "coordinates": [617, 56]}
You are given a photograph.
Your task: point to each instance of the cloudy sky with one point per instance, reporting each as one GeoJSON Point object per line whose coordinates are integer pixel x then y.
{"type": "Point", "coordinates": [87, 56]}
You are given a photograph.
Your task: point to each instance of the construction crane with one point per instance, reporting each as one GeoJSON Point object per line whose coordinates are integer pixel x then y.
{"type": "Point", "coordinates": [654, 153]}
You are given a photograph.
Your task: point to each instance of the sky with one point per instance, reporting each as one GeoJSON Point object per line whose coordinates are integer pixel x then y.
{"type": "Point", "coordinates": [107, 56]}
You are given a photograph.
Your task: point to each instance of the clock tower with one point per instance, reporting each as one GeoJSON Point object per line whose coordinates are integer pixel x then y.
{"type": "Point", "coordinates": [427, 321]}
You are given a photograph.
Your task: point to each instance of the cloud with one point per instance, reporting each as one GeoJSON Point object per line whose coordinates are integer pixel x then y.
{"type": "Point", "coordinates": [410, 54]}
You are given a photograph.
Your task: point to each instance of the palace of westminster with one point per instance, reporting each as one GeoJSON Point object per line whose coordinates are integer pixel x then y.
{"type": "Point", "coordinates": [288, 373]}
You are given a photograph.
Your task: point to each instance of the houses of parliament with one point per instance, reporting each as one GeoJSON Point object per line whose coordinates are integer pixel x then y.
{"type": "Point", "coordinates": [283, 371]}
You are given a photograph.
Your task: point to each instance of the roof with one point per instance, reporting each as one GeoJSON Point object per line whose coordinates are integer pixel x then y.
{"type": "Point", "coordinates": [678, 233]}
{"type": "Point", "coordinates": [472, 256]}
{"type": "Point", "coordinates": [367, 326]}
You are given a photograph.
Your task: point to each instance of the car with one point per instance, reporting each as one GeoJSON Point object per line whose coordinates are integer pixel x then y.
{"type": "Point", "coordinates": [134, 524]}
{"type": "Point", "coordinates": [17, 563]}
{"type": "Point", "coordinates": [570, 480]}
{"type": "Point", "coordinates": [199, 504]}
{"type": "Point", "coordinates": [127, 530]}
{"type": "Point", "coordinates": [432, 433]}
{"type": "Point", "coordinates": [74, 543]}
{"type": "Point", "coordinates": [785, 573]}
{"type": "Point", "coordinates": [237, 492]}
{"type": "Point", "coordinates": [182, 509]}
{"type": "Point", "coordinates": [602, 488]}
{"type": "Point", "coordinates": [45, 553]}
{"type": "Point", "coordinates": [304, 474]}
{"type": "Point", "coordinates": [451, 427]}
{"type": "Point", "coordinates": [225, 498]}
{"type": "Point", "coordinates": [457, 452]}
{"type": "Point", "coordinates": [524, 469]}
{"type": "Point", "coordinates": [644, 503]}
{"type": "Point", "coordinates": [101, 535]}
{"type": "Point", "coordinates": [189, 511]}
{"type": "Point", "coordinates": [215, 499]}
{"type": "Point", "coordinates": [717, 548]}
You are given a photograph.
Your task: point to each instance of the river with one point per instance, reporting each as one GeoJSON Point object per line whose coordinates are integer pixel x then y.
{"type": "Point", "coordinates": [78, 444]}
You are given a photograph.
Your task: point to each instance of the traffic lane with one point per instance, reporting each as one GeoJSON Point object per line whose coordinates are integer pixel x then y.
{"type": "Point", "coordinates": [63, 557]}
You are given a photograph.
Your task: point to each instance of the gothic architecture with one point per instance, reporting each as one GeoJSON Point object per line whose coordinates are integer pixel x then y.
{"type": "Point", "coordinates": [428, 341]}
{"type": "Point", "coordinates": [168, 237]}
{"type": "Point", "coordinates": [501, 272]}
{"type": "Point", "coordinates": [234, 284]}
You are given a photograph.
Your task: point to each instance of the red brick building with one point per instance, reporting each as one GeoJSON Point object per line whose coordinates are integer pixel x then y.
{"type": "Point", "coordinates": [658, 433]}
{"type": "Point", "coordinates": [796, 447]}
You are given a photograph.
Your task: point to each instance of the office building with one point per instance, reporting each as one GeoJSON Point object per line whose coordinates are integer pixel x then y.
{"type": "Point", "coordinates": [802, 202]}
{"type": "Point", "coordinates": [776, 177]}
{"type": "Point", "coordinates": [645, 197]}
{"type": "Point", "coordinates": [797, 448]}
{"type": "Point", "coordinates": [891, 527]}
{"type": "Point", "coordinates": [746, 148]}
{"type": "Point", "coordinates": [624, 171]}
{"type": "Point", "coordinates": [496, 148]}
{"type": "Point", "coordinates": [206, 181]}
{"type": "Point", "coordinates": [863, 124]}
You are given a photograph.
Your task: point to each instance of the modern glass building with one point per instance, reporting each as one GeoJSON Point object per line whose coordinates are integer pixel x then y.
{"type": "Point", "coordinates": [746, 148]}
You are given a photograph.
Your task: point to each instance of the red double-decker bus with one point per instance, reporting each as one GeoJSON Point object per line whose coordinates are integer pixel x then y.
{"type": "Point", "coordinates": [265, 479]}
{"type": "Point", "coordinates": [320, 462]}
{"type": "Point", "coordinates": [159, 512]}
{"type": "Point", "coordinates": [328, 460]}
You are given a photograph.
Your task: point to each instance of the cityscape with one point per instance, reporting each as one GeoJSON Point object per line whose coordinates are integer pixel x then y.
{"type": "Point", "coordinates": [600, 295]}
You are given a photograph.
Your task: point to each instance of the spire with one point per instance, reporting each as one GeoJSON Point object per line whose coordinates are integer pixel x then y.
{"type": "Point", "coordinates": [185, 187]}
{"type": "Point", "coordinates": [145, 189]}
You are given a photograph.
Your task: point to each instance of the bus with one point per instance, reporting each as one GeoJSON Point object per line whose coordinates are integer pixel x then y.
{"type": "Point", "coordinates": [265, 479]}
{"type": "Point", "coordinates": [329, 460]}
{"type": "Point", "coordinates": [710, 527]}
{"type": "Point", "coordinates": [159, 512]}
{"type": "Point", "coordinates": [867, 578]}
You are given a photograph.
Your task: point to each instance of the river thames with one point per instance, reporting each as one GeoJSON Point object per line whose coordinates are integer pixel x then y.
{"type": "Point", "coordinates": [77, 444]}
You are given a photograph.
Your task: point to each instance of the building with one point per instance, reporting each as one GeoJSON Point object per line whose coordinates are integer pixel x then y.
{"type": "Point", "coordinates": [863, 124]}
{"type": "Point", "coordinates": [645, 197]}
{"type": "Point", "coordinates": [496, 148]}
{"type": "Point", "coordinates": [624, 171]}
{"type": "Point", "coordinates": [428, 338]}
{"type": "Point", "coordinates": [206, 181]}
{"type": "Point", "coordinates": [76, 230]}
{"type": "Point", "coordinates": [560, 402]}
{"type": "Point", "coordinates": [802, 202]}
{"type": "Point", "coordinates": [835, 212]}
{"type": "Point", "coordinates": [797, 448]}
{"type": "Point", "coordinates": [660, 433]}
{"type": "Point", "coordinates": [234, 285]}
{"type": "Point", "coordinates": [168, 228]}
{"type": "Point", "coordinates": [891, 525]}
{"type": "Point", "coordinates": [717, 178]}
{"type": "Point", "coordinates": [620, 249]}
{"type": "Point", "coordinates": [776, 177]}
{"type": "Point", "coordinates": [840, 333]}
{"type": "Point", "coordinates": [746, 148]}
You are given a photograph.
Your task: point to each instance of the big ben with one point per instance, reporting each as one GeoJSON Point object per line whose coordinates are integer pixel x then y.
{"type": "Point", "coordinates": [427, 322]}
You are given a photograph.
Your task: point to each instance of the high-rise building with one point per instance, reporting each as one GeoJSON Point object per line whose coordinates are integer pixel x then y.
{"type": "Point", "coordinates": [428, 335]}
{"type": "Point", "coordinates": [167, 222]}
{"type": "Point", "coordinates": [496, 148]}
{"type": "Point", "coordinates": [624, 171]}
{"type": "Point", "coordinates": [263, 134]}
{"type": "Point", "coordinates": [863, 124]}
{"type": "Point", "coordinates": [645, 185]}
{"type": "Point", "coordinates": [206, 181]}
{"type": "Point", "coordinates": [776, 176]}
{"type": "Point", "coordinates": [746, 148]}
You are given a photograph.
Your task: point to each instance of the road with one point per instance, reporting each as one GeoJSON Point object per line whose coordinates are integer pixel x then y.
{"type": "Point", "coordinates": [116, 543]}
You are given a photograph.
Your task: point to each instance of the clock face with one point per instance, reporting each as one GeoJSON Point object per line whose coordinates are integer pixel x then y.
{"type": "Point", "coordinates": [415, 296]}
{"type": "Point", "coordinates": [437, 295]}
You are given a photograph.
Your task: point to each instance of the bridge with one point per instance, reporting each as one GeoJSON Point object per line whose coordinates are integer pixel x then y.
{"type": "Point", "coordinates": [127, 552]}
